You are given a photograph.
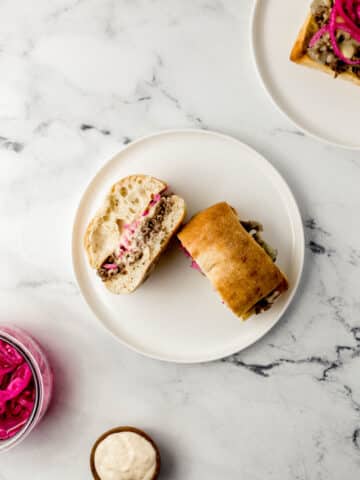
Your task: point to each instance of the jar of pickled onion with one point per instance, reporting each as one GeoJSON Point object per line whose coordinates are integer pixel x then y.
{"type": "Point", "coordinates": [26, 384]}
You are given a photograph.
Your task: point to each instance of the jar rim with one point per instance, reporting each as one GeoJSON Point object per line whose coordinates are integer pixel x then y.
{"type": "Point", "coordinates": [30, 360]}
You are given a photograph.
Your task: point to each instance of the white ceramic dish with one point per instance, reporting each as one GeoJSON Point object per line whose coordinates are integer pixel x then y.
{"type": "Point", "coordinates": [175, 316]}
{"type": "Point", "coordinates": [321, 106]}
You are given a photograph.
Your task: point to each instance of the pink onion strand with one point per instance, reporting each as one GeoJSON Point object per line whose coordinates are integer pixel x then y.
{"type": "Point", "coordinates": [349, 11]}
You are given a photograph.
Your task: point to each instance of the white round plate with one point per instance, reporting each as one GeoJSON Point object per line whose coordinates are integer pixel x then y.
{"type": "Point", "coordinates": [321, 106]}
{"type": "Point", "coordinates": [175, 315]}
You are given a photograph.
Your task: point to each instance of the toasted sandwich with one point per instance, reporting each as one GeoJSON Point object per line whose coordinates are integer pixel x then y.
{"type": "Point", "coordinates": [235, 258]}
{"type": "Point", "coordinates": [126, 237]}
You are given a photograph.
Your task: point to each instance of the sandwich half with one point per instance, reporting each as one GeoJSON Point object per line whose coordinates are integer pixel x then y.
{"type": "Point", "coordinates": [238, 263]}
{"type": "Point", "coordinates": [130, 231]}
{"type": "Point", "coordinates": [330, 39]}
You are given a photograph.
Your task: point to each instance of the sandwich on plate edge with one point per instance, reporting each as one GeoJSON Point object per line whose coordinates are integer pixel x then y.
{"type": "Point", "coordinates": [130, 231]}
{"type": "Point", "coordinates": [330, 39]}
{"type": "Point", "coordinates": [235, 258]}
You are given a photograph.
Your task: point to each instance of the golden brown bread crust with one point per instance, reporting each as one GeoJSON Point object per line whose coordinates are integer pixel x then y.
{"type": "Point", "coordinates": [302, 41]}
{"type": "Point", "coordinates": [234, 262]}
{"type": "Point", "coordinates": [299, 52]}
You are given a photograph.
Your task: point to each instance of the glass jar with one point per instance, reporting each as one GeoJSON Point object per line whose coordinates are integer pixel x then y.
{"type": "Point", "coordinates": [35, 357]}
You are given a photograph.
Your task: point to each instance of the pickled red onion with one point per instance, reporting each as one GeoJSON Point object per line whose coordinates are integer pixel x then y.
{"type": "Point", "coordinates": [187, 254]}
{"type": "Point", "coordinates": [130, 228]}
{"type": "Point", "coordinates": [156, 199]}
{"type": "Point", "coordinates": [332, 31]}
{"type": "Point", "coordinates": [349, 12]}
{"type": "Point", "coordinates": [346, 28]}
{"type": "Point", "coordinates": [20, 379]}
{"type": "Point", "coordinates": [194, 264]}
{"type": "Point", "coordinates": [9, 355]}
{"type": "Point", "coordinates": [318, 35]}
{"type": "Point", "coordinates": [17, 392]}
{"type": "Point", "coordinates": [10, 426]}
{"type": "Point", "coordinates": [26, 400]}
{"type": "Point", "coordinates": [110, 266]}
{"type": "Point", "coordinates": [339, 26]}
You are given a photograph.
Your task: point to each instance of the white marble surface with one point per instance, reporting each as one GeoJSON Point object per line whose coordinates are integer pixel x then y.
{"type": "Point", "coordinates": [79, 78]}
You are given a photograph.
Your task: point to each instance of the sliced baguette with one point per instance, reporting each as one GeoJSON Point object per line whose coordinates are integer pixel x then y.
{"type": "Point", "coordinates": [125, 203]}
{"type": "Point", "coordinates": [299, 52]}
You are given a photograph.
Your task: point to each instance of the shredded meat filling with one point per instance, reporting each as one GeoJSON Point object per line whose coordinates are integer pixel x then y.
{"type": "Point", "coordinates": [320, 10]}
{"type": "Point", "coordinates": [151, 225]}
{"type": "Point", "coordinates": [323, 52]}
{"type": "Point", "coordinates": [254, 229]}
{"type": "Point", "coordinates": [265, 303]}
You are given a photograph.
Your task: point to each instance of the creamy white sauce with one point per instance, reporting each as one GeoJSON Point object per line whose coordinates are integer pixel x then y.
{"type": "Point", "coordinates": [125, 456]}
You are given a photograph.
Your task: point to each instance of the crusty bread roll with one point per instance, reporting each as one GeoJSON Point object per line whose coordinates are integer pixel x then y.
{"type": "Point", "coordinates": [239, 268]}
{"type": "Point", "coordinates": [130, 231]}
{"type": "Point", "coordinates": [299, 53]}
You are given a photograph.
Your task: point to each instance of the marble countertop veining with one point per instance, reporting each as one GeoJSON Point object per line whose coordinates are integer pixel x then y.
{"type": "Point", "coordinates": [81, 78]}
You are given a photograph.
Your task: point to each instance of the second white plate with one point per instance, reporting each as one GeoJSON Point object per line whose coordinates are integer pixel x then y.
{"type": "Point", "coordinates": [175, 315]}
{"type": "Point", "coordinates": [320, 105]}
